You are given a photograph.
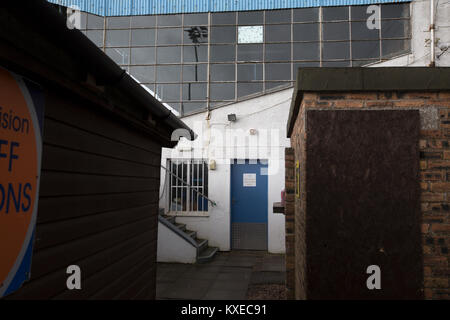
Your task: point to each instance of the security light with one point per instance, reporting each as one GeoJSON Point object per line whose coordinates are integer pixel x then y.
{"type": "Point", "coordinates": [232, 117]}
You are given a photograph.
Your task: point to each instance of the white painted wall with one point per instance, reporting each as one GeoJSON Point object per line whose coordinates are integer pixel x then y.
{"type": "Point", "coordinates": [267, 114]}
{"type": "Point", "coordinates": [420, 29]}
{"type": "Point", "coordinates": [173, 248]}
{"type": "Point", "coordinates": [270, 112]}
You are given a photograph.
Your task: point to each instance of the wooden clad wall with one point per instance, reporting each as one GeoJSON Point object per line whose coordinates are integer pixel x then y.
{"type": "Point", "coordinates": [98, 206]}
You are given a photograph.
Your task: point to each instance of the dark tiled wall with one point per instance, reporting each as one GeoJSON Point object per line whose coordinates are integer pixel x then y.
{"type": "Point", "coordinates": [195, 60]}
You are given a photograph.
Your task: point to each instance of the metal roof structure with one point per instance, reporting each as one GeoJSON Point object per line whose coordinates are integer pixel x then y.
{"type": "Point", "coordinates": [148, 7]}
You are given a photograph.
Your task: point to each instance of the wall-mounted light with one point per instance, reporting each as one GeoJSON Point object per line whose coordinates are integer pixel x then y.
{"type": "Point", "coordinates": [232, 117]}
{"type": "Point", "coordinates": [212, 165]}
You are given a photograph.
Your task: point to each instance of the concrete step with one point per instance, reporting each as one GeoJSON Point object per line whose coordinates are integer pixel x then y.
{"type": "Point", "coordinates": [207, 254]}
{"type": "Point", "coordinates": [180, 226]}
{"type": "Point", "coordinates": [201, 244]}
{"type": "Point", "coordinates": [204, 252]}
{"type": "Point", "coordinates": [171, 219]}
{"type": "Point", "coordinates": [192, 234]}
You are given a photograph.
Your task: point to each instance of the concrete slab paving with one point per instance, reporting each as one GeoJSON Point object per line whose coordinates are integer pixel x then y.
{"type": "Point", "coordinates": [199, 276]}
{"type": "Point", "coordinates": [268, 277]}
{"type": "Point", "coordinates": [232, 276]}
{"type": "Point", "coordinates": [238, 287]}
{"type": "Point", "coordinates": [192, 289]}
{"type": "Point", "coordinates": [274, 263]}
{"type": "Point", "coordinates": [224, 295]}
{"type": "Point", "coordinates": [227, 277]}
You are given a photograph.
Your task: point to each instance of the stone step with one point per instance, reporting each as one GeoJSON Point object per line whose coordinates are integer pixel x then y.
{"type": "Point", "coordinates": [171, 219]}
{"type": "Point", "coordinates": [180, 226]}
{"type": "Point", "coordinates": [207, 254]}
{"type": "Point", "coordinates": [202, 244]}
{"type": "Point", "coordinates": [192, 234]}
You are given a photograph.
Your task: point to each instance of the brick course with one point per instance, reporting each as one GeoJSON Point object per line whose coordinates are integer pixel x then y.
{"type": "Point", "coordinates": [289, 211]}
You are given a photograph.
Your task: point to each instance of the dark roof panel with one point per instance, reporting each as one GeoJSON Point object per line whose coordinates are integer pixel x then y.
{"type": "Point", "coordinates": [365, 79]}
{"type": "Point", "coordinates": [373, 79]}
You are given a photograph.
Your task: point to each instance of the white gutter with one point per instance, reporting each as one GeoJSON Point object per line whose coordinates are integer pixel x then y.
{"type": "Point", "coordinates": [175, 112]}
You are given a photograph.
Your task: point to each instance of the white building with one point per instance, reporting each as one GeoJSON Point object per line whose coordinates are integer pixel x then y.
{"type": "Point", "coordinates": [258, 133]}
{"type": "Point", "coordinates": [421, 36]}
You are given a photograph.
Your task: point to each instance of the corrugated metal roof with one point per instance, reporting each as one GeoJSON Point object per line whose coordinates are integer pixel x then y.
{"type": "Point", "coordinates": [143, 7]}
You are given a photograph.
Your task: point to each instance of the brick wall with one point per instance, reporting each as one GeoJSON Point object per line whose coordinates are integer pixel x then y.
{"type": "Point", "coordinates": [297, 142]}
{"type": "Point", "coordinates": [434, 176]}
{"type": "Point", "coordinates": [289, 211]}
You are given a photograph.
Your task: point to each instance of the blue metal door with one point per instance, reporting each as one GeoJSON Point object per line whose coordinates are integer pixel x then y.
{"type": "Point", "coordinates": [249, 205]}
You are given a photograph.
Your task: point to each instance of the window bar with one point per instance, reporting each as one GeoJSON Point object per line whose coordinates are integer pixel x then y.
{"type": "Point", "coordinates": [293, 72]}
{"type": "Point", "coordinates": [197, 183]}
{"type": "Point", "coordinates": [235, 56]}
{"type": "Point", "coordinates": [155, 52]}
{"type": "Point", "coordinates": [169, 191]}
{"type": "Point", "coordinates": [171, 186]}
{"type": "Point", "coordinates": [176, 190]}
{"type": "Point", "coordinates": [193, 184]}
{"type": "Point", "coordinates": [203, 183]}
{"type": "Point", "coordinates": [180, 95]}
{"type": "Point", "coordinates": [320, 38]}
{"type": "Point", "coordinates": [208, 68]}
{"type": "Point", "coordinates": [264, 52]}
{"type": "Point", "coordinates": [186, 192]}
{"type": "Point", "coordinates": [129, 45]}
{"type": "Point", "coordinates": [182, 185]}
{"type": "Point", "coordinates": [169, 205]}
{"type": "Point", "coordinates": [350, 34]}
{"type": "Point", "coordinates": [191, 194]}
{"type": "Point", "coordinates": [188, 188]}
{"type": "Point", "coordinates": [379, 33]}
{"type": "Point", "coordinates": [168, 183]}
{"type": "Point", "coordinates": [104, 33]}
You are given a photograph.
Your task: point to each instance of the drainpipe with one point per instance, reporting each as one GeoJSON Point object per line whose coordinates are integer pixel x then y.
{"type": "Point", "coordinates": [432, 38]}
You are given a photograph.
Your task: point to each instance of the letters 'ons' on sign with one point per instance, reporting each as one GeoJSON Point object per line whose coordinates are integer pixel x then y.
{"type": "Point", "coordinates": [21, 116]}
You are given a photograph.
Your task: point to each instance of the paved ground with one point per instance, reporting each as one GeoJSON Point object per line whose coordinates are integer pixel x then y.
{"type": "Point", "coordinates": [228, 276]}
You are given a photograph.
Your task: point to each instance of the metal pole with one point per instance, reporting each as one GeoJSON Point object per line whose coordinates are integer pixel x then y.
{"type": "Point", "coordinates": [432, 36]}
{"type": "Point", "coordinates": [176, 190]}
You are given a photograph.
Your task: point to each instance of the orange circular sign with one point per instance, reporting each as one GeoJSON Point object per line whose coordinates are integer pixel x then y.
{"type": "Point", "coordinates": [19, 174]}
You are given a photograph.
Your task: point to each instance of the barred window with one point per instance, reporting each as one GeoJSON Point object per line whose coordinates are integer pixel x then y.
{"type": "Point", "coordinates": [188, 185]}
